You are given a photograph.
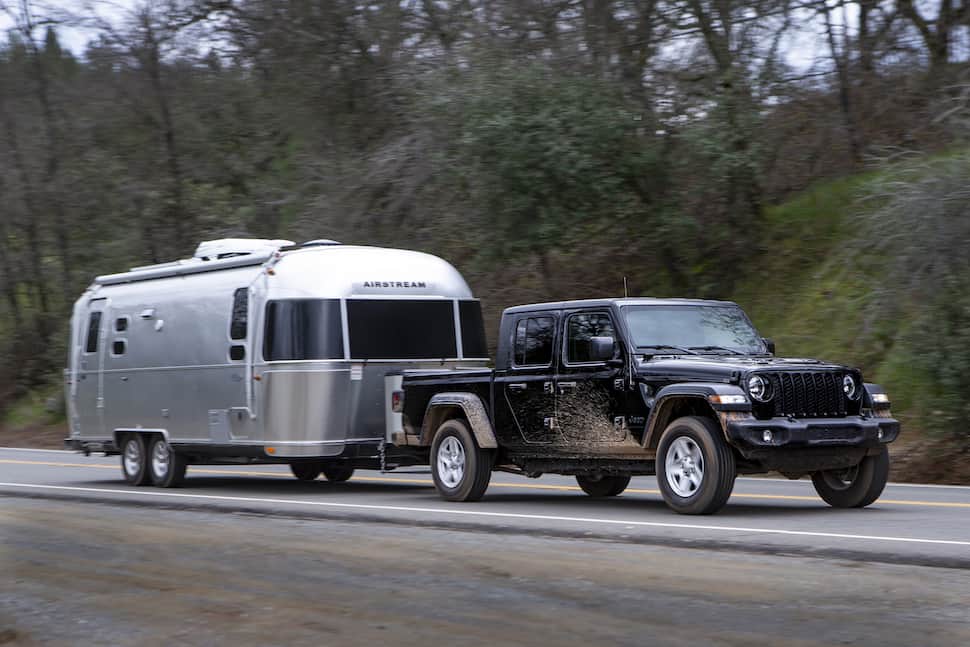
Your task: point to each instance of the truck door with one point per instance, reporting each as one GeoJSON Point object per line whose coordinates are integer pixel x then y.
{"type": "Point", "coordinates": [525, 391]}
{"type": "Point", "coordinates": [89, 378]}
{"type": "Point", "coordinates": [587, 397]}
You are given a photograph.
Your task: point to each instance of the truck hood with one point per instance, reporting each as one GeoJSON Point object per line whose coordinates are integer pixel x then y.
{"type": "Point", "coordinates": [720, 368]}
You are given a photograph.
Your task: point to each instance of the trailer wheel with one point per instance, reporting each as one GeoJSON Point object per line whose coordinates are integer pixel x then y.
{"type": "Point", "coordinates": [695, 467]}
{"type": "Point", "coordinates": [134, 460]}
{"type": "Point", "coordinates": [167, 466]}
{"type": "Point", "coordinates": [857, 486]}
{"type": "Point", "coordinates": [306, 471]}
{"type": "Point", "coordinates": [461, 469]}
{"type": "Point", "coordinates": [338, 473]}
{"type": "Point", "coordinates": [601, 486]}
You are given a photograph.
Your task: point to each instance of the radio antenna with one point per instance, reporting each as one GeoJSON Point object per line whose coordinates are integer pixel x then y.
{"type": "Point", "coordinates": [626, 292]}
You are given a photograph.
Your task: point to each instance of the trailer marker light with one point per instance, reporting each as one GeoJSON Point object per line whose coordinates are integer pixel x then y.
{"type": "Point", "coordinates": [397, 401]}
{"type": "Point", "coordinates": [270, 450]}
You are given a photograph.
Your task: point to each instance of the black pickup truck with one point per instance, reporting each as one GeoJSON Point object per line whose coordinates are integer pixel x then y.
{"type": "Point", "coordinates": [610, 388]}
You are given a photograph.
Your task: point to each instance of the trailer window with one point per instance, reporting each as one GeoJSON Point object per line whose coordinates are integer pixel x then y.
{"type": "Point", "coordinates": [401, 329]}
{"type": "Point", "coordinates": [303, 329]}
{"type": "Point", "coordinates": [240, 314]}
{"type": "Point", "coordinates": [94, 326]}
{"type": "Point", "coordinates": [472, 329]}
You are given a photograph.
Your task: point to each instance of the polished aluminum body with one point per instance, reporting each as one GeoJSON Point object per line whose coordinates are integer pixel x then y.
{"type": "Point", "coordinates": [164, 358]}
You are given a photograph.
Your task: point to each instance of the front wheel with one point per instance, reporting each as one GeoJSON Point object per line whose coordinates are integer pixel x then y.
{"type": "Point", "coordinates": [695, 467]}
{"type": "Point", "coordinates": [602, 486]}
{"type": "Point", "coordinates": [460, 468]}
{"type": "Point", "coordinates": [305, 471]}
{"type": "Point", "coordinates": [857, 486]}
{"type": "Point", "coordinates": [166, 465]}
{"type": "Point", "coordinates": [134, 460]}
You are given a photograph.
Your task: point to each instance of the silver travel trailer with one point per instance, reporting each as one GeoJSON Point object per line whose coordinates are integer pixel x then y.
{"type": "Point", "coordinates": [261, 351]}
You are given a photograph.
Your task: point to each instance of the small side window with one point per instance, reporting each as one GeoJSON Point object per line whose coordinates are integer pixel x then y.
{"type": "Point", "coordinates": [118, 347]}
{"type": "Point", "coordinates": [121, 324]}
{"type": "Point", "coordinates": [94, 327]}
{"type": "Point", "coordinates": [237, 352]}
{"type": "Point", "coordinates": [240, 314]}
{"type": "Point", "coordinates": [533, 341]}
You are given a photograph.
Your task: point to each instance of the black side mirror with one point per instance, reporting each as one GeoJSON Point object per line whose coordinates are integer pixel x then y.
{"type": "Point", "coordinates": [601, 349]}
{"type": "Point", "coordinates": [769, 344]}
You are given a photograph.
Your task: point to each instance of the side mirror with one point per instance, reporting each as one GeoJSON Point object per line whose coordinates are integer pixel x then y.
{"type": "Point", "coordinates": [770, 344]}
{"type": "Point", "coordinates": [601, 349]}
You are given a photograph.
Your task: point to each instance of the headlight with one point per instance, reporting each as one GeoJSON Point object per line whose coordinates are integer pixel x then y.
{"type": "Point", "coordinates": [850, 387]}
{"type": "Point", "coordinates": [759, 388]}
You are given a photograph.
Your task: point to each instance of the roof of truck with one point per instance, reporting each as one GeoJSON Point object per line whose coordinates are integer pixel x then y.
{"type": "Point", "coordinates": [620, 301]}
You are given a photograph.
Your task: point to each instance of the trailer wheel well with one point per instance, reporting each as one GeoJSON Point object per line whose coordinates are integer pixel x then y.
{"type": "Point", "coordinates": [677, 407]}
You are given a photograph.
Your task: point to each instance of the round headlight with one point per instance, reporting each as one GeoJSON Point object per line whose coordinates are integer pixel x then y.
{"type": "Point", "coordinates": [850, 387]}
{"type": "Point", "coordinates": [759, 388]}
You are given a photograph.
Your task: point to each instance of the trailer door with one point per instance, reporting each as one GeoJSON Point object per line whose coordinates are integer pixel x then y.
{"type": "Point", "coordinates": [90, 349]}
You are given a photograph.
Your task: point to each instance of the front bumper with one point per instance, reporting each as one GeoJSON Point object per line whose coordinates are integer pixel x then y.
{"type": "Point", "coordinates": [802, 445]}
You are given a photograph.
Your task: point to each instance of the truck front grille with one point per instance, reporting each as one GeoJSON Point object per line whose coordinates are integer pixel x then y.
{"type": "Point", "coordinates": [808, 394]}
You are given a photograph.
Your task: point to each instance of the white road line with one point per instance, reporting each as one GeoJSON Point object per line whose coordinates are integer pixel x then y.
{"type": "Point", "coordinates": [31, 449]}
{"type": "Point", "coordinates": [486, 514]}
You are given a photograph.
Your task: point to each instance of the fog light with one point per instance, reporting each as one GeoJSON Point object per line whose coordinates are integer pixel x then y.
{"type": "Point", "coordinates": [766, 436]}
{"type": "Point", "coordinates": [879, 434]}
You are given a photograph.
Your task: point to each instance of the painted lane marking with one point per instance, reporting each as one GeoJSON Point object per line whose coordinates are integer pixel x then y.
{"type": "Point", "coordinates": [525, 486]}
{"type": "Point", "coordinates": [492, 515]}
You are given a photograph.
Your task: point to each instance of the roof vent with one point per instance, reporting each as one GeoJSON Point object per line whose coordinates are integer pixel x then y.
{"type": "Point", "coordinates": [211, 250]}
{"type": "Point", "coordinates": [320, 242]}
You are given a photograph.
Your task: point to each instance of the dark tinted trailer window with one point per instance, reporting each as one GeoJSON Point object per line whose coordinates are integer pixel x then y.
{"type": "Point", "coordinates": [94, 326]}
{"type": "Point", "coordinates": [240, 314]}
{"type": "Point", "coordinates": [580, 329]}
{"type": "Point", "coordinates": [401, 329]}
{"type": "Point", "coordinates": [533, 341]}
{"type": "Point", "coordinates": [303, 329]}
{"type": "Point", "coordinates": [472, 329]}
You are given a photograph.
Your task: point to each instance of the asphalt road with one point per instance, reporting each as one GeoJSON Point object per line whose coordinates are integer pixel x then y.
{"type": "Point", "coordinates": [253, 555]}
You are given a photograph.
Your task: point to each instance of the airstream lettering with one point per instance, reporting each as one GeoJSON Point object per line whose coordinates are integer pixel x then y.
{"type": "Point", "coordinates": [261, 351]}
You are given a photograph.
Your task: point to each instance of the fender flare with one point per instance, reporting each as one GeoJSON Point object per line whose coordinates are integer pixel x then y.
{"type": "Point", "coordinates": [471, 406]}
{"type": "Point", "coordinates": [661, 403]}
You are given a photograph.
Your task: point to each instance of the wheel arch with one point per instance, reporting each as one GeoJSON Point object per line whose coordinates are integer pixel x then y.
{"type": "Point", "coordinates": [118, 434]}
{"type": "Point", "coordinates": [680, 400]}
{"type": "Point", "coordinates": [468, 406]}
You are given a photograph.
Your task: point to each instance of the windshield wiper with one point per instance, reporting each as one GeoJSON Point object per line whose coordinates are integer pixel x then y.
{"type": "Point", "coordinates": [662, 346]}
{"type": "Point", "coordinates": [730, 350]}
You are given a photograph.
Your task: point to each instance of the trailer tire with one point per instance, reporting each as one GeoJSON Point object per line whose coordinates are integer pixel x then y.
{"type": "Point", "coordinates": [695, 466]}
{"type": "Point", "coordinates": [134, 459]}
{"type": "Point", "coordinates": [460, 468]}
{"type": "Point", "coordinates": [856, 487]}
{"type": "Point", "coordinates": [306, 471]}
{"type": "Point", "coordinates": [338, 473]}
{"type": "Point", "coordinates": [166, 465]}
{"type": "Point", "coordinates": [603, 486]}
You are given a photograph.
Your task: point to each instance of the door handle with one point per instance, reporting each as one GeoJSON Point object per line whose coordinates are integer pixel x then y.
{"type": "Point", "coordinates": [517, 386]}
{"type": "Point", "coordinates": [566, 385]}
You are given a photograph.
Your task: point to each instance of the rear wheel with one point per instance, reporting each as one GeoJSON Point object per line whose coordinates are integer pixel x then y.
{"type": "Point", "coordinates": [695, 467]}
{"type": "Point", "coordinates": [338, 473]}
{"type": "Point", "coordinates": [601, 486]}
{"type": "Point", "coordinates": [460, 468]}
{"type": "Point", "coordinates": [134, 460]}
{"type": "Point", "coordinates": [857, 486]}
{"type": "Point", "coordinates": [306, 471]}
{"type": "Point", "coordinates": [167, 466]}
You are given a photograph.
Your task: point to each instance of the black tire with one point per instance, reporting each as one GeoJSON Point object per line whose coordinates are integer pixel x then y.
{"type": "Point", "coordinates": [306, 471]}
{"type": "Point", "coordinates": [134, 460]}
{"type": "Point", "coordinates": [338, 473]}
{"type": "Point", "coordinates": [171, 472]}
{"type": "Point", "coordinates": [855, 487]}
{"type": "Point", "coordinates": [705, 445]}
{"type": "Point", "coordinates": [476, 466]}
{"type": "Point", "coordinates": [602, 486]}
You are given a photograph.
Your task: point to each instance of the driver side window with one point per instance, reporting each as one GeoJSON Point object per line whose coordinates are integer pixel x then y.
{"type": "Point", "coordinates": [579, 329]}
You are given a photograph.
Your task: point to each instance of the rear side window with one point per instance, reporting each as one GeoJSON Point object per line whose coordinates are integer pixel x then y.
{"type": "Point", "coordinates": [533, 341]}
{"type": "Point", "coordinates": [94, 327]}
{"type": "Point", "coordinates": [472, 329]}
{"type": "Point", "coordinates": [240, 314]}
{"type": "Point", "coordinates": [579, 330]}
{"type": "Point", "coordinates": [303, 329]}
{"type": "Point", "coordinates": [401, 329]}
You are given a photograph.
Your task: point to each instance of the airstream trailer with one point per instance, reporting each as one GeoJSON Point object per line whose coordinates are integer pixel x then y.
{"type": "Point", "coordinates": [261, 351]}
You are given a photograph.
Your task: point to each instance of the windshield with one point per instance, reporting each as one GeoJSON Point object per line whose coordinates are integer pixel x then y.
{"type": "Point", "coordinates": [697, 328]}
